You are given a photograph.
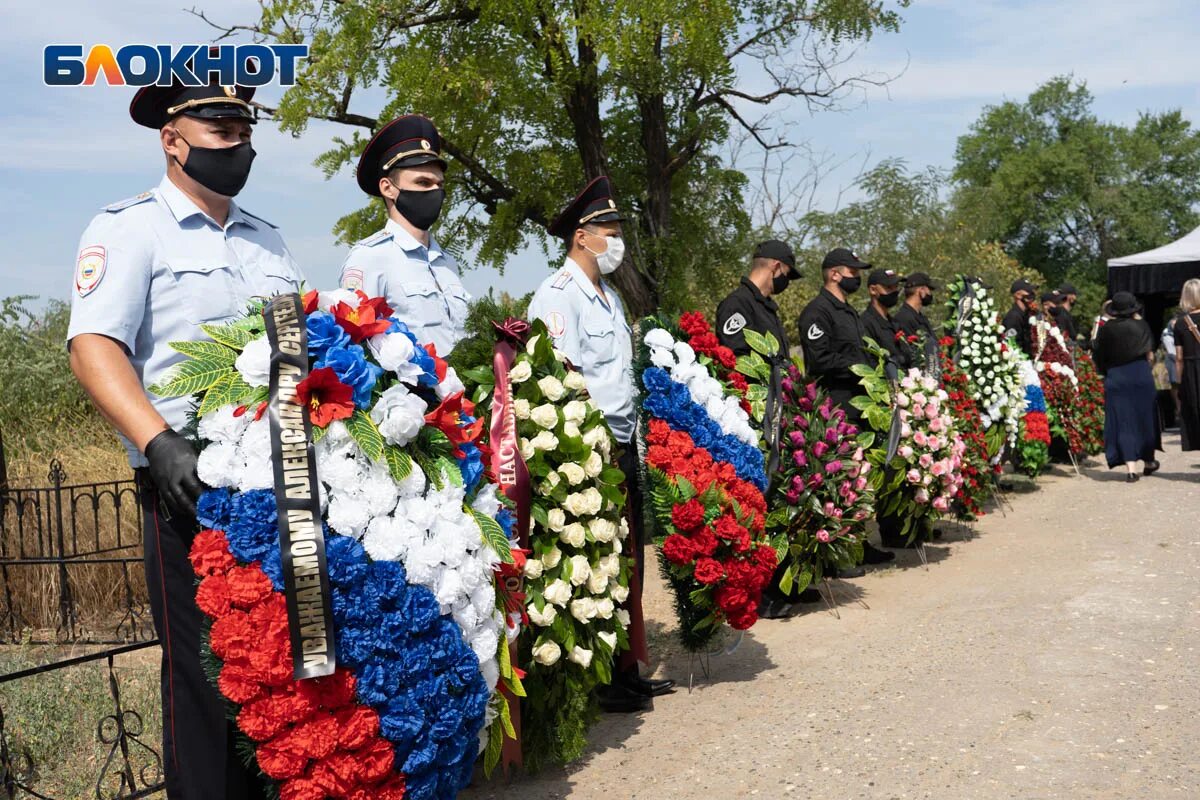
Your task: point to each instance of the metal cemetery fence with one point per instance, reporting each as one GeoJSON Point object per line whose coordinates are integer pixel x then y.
{"type": "Point", "coordinates": [71, 578]}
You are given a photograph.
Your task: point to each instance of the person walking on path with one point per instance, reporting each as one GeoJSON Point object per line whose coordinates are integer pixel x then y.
{"type": "Point", "coordinates": [1124, 348]}
{"type": "Point", "coordinates": [1187, 364]}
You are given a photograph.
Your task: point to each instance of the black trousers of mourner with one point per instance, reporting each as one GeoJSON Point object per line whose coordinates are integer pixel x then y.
{"type": "Point", "coordinates": [199, 755]}
{"type": "Point", "coordinates": [627, 662]}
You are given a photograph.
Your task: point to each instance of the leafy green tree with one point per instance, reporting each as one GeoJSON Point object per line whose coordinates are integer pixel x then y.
{"type": "Point", "coordinates": [1065, 191]}
{"type": "Point", "coordinates": [533, 97]}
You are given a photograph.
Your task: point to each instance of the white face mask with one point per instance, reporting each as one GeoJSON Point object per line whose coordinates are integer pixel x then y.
{"type": "Point", "coordinates": [611, 258]}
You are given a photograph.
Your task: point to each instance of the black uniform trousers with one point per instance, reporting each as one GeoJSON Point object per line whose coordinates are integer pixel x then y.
{"type": "Point", "coordinates": [199, 755]}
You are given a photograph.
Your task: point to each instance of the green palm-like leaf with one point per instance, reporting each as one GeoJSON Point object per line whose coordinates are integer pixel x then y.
{"type": "Point", "coordinates": [493, 536]}
{"type": "Point", "coordinates": [191, 377]}
{"type": "Point", "coordinates": [230, 335]}
{"type": "Point", "coordinates": [399, 463]}
{"type": "Point", "coordinates": [362, 429]}
{"type": "Point", "coordinates": [210, 351]}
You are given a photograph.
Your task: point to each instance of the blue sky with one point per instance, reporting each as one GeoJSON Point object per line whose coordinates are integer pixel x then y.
{"type": "Point", "coordinates": [64, 152]}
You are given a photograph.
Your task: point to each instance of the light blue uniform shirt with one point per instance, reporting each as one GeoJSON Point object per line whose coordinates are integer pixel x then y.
{"type": "Point", "coordinates": [152, 268]}
{"type": "Point", "coordinates": [421, 284]}
{"type": "Point", "coordinates": [593, 333]}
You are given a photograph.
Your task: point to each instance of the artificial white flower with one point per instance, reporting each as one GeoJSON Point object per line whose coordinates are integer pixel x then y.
{"type": "Point", "coordinates": [659, 337]}
{"type": "Point", "coordinates": [552, 557]}
{"type": "Point", "coordinates": [223, 427]}
{"type": "Point", "coordinates": [547, 654]}
{"type": "Point", "coordinates": [575, 411]}
{"type": "Point", "coordinates": [620, 594]}
{"type": "Point", "coordinates": [583, 609]}
{"type": "Point", "coordinates": [543, 618]}
{"type": "Point", "coordinates": [602, 530]}
{"type": "Point", "coordinates": [593, 465]}
{"type": "Point", "coordinates": [521, 409]}
{"type": "Point", "coordinates": [220, 465]}
{"type": "Point", "coordinates": [450, 385]}
{"type": "Point", "coordinates": [556, 519]}
{"type": "Point", "coordinates": [545, 415]}
{"type": "Point", "coordinates": [329, 299]}
{"type": "Point", "coordinates": [573, 535]}
{"type": "Point", "coordinates": [605, 608]}
{"type": "Point", "coordinates": [662, 357]}
{"type": "Point", "coordinates": [574, 381]}
{"type": "Point", "coordinates": [399, 414]}
{"type": "Point", "coordinates": [574, 473]}
{"type": "Point", "coordinates": [552, 388]}
{"type": "Point", "coordinates": [394, 352]}
{"type": "Point", "coordinates": [581, 570]}
{"type": "Point", "coordinates": [545, 441]}
{"type": "Point", "coordinates": [597, 582]}
{"type": "Point", "coordinates": [520, 372]}
{"type": "Point", "coordinates": [581, 656]}
{"type": "Point", "coordinates": [558, 592]}
{"type": "Point", "coordinates": [534, 568]}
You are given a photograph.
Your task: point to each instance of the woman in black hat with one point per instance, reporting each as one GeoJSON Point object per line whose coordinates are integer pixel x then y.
{"type": "Point", "coordinates": [1124, 347]}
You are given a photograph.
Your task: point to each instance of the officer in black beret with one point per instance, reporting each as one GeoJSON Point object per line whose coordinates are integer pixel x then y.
{"type": "Point", "coordinates": [831, 334]}
{"type": "Point", "coordinates": [1016, 321]}
{"type": "Point", "coordinates": [911, 321]}
{"type": "Point", "coordinates": [884, 287]}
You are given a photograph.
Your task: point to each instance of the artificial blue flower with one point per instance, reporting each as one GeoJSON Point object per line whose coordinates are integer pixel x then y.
{"type": "Point", "coordinates": [470, 465]}
{"type": "Point", "coordinates": [346, 561]}
{"type": "Point", "coordinates": [507, 521]}
{"type": "Point", "coordinates": [212, 509]}
{"type": "Point", "coordinates": [352, 368]}
{"type": "Point", "coordinates": [324, 333]}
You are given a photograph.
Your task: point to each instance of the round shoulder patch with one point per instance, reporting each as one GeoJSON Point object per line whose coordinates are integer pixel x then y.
{"type": "Point", "coordinates": [734, 324]}
{"type": "Point", "coordinates": [556, 324]}
{"type": "Point", "coordinates": [352, 279]}
{"type": "Point", "coordinates": [89, 268]}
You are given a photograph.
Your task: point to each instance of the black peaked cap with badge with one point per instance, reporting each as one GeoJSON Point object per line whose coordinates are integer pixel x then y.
{"type": "Point", "coordinates": [594, 204]}
{"type": "Point", "coordinates": [408, 141]}
{"type": "Point", "coordinates": [1022, 285]}
{"type": "Point", "coordinates": [843, 257]}
{"type": "Point", "coordinates": [884, 277]}
{"type": "Point", "coordinates": [778, 251]}
{"type": "Point", "coordinates": [919, 279]}
{"type": "Point", "coordinates": [154, 106]}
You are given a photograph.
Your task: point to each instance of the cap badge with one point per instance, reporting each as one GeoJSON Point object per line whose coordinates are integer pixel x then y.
{"type": "Point", "coordinates": [230, 91]}
{"type": "Point", "coordinates": [425, 145]}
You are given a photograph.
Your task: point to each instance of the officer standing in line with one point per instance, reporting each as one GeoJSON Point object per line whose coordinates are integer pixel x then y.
{"type": "Point", "coordinates": [911, 321]}
{"type": "Point", "coordinates": [884, 286]}
{"type": "Point", "coordinates": [150, 270]}
{"type": "Point", "coordinates": [1067, 294]}
{"type": "Point", "coordinates": [586, 319]}
{"type": "Point", "coordinates": [403, 262]}
{"type": "Point", "coordinates": [831, 334]}
{"type": "Point", "coordinates": [751, 306]}
{"type": "Point", "coordinates": [1016, 321]}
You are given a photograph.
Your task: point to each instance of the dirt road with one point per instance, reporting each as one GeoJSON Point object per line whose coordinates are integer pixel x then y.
{"type": "Point", "coordinates": [1050, 653]}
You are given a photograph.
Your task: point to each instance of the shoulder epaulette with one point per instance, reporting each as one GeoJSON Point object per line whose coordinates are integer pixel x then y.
{"type": "Point", "coordinates": [260, 219]}
{"type": "Point", "coordinates": [375, 238]}
{"type": "Point", "coordinates": [561, 280]}
{"type": "Point", "coordinates": [120, 205]}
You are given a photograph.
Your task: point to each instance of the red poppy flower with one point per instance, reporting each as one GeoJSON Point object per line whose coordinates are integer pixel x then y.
{"type": "Point", "coordinates": [326, 397]}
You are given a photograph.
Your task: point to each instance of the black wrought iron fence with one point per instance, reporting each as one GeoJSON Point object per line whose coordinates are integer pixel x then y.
{"type": "Point", "coordinates": [71, 579]}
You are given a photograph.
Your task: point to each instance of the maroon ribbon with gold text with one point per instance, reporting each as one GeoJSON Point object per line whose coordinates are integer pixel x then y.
{"type": "Point", "coordinates": [513, 477]}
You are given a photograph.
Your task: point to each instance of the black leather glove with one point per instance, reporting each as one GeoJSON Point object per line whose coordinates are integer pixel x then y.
{"type": "Point", "coordinates": [891, 370]}
{"type": "Point", "coordinates": [173, 470]}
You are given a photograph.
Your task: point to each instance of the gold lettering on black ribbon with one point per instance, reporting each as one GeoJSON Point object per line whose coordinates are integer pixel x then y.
{"type": "Point", "coordinates": [297, 494]}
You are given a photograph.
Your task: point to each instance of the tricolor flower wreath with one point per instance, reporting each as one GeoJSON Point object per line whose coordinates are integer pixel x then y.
{"type": "Point", "coordinates": [1033, 446]}
{"type": "Point", "coordinates": [704, 481]}
{"type": "Point", "coordinates": [990, 363]}
{"type": "Point", "coordinates": [821, 498]}
{"type": "Point", "coordinates": [1059, 383]}
{"type": "Point", "coordinates": [576, 575]}
{"type": "Point", "coordinates": [413, 539]}
{"type": "Point", "coordinates": [924, 477]}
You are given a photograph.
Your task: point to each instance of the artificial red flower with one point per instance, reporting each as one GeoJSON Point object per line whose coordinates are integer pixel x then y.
{"type": "Point", "coordinates": [210, 553]}
{"type": "Point", "coordinates": [356, 726]}
{"type": "Point", "coordinates": [678, 550]}
{"type": "Point", "coordinates": [310, 299]}
{"type": "Point", "coordinates": [447, 418]}
{"type": "Point", "coordinates": [279, 764]}
{"type": "Point", "coordinates": [212, 596]}
{"type": "Point", "coordinates": [709, 571]}
{"type": "Point", "coordinates": [325, 396]}
{"type": "Point", "coordinates": [367, 320]}
{"type": "Point", "coordinates": [439, 366]}
{"type": "Point", "coordinates": [248, 586]}
{"type": "Point", "coordinates": [688, 516]}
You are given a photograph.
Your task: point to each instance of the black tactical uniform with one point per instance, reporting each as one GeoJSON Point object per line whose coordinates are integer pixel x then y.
{"type": "Point", "coordinates": [831, 334]}
{"type": "Point", "coordinates": [746, 308]}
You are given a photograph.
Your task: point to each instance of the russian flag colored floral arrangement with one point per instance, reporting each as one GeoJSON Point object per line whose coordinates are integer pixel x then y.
{"type": "Point", "coordinates": [1033, 447]}
{"type": "Point", "coordinates": [704, 482]}
{"type": "Point", "coordinates": [1060, 385]}
{"type": "Point", "coordinates": [414, 534]}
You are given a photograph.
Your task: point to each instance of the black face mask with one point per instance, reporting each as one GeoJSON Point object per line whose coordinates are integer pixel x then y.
{"type": "Point", "coordinates": [926, 299]}
{"type": "Point", "coordinates": [780, 282]}
{"type": "Point", "coordinates": [889, 300]}
{"type": "Point", "coordinates": [420, 207]}
{"type": "Point", "coordinates": [223, 170]}
{"type": "Point", "coordinates": [850, 285]}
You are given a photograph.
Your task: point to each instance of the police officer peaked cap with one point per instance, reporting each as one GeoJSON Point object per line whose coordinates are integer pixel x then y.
{"type": "Point", "coordinates": [594, 204]}
{"type": "Point", "coordinates": [918, 279]}
{"type": "Point", "coordinates": [778, 251]}
{"type": "Point", "coordinates": [154, 106]}
{"type": "Point", "coordinates": [884, 277]}
{"type": "Point", "coordinates": [408, 141]}
{"type": "Point", "coordinates": [843, 257]}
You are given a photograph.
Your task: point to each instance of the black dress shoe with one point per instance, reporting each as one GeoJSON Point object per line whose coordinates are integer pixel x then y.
{"type": "Point", "coordinates": [873, 555]}
{"type": "Point", "coordinates": [1132, 477]}
{"type": "Point", "coordinates": [1151, 468]}
{"type": "Point", "coordinates": [616, 699]}
{"type": "Point", "coordinates": [809, 595]}
{"type": "Point", "coordinates": [648, 687]}
{"type": "Point", "coordinates": [774, 609]}
{"type": "Point", "coordinates": [895, 542]}
{"type": "Point", "coordinates": [849, 572]}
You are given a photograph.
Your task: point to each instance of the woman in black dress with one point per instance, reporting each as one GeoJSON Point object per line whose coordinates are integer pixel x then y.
{"type": "Point", "coordinates": [1123, 351]}
{"type": "Point", "coordinates": [1187, 364]}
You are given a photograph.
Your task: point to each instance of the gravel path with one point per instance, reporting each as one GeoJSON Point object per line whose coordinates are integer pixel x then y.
{"type": "Point", "coordinates": [1049, 653]}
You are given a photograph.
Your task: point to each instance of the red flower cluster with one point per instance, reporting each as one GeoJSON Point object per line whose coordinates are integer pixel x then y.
{"type": "Point", "coordinates": [726, 554]}
{"type": "Point", "coordinates": [1062, 397]}
{"type": "Point", "coordinates": [976, 464]}
{"type": "Point", "coordinates": [704, 341]}
{"type": "Point", "coordinates": [311, 736]}
{"type": "Point", "coordinates": [1090, 403]}
{"type": "Point", "coordinates": [1037, 427]}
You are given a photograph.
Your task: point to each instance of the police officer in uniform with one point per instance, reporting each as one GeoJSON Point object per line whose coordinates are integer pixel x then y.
{"type": "Point", "coordinates": [586, 319]}
{"type": "Point", "coordinates": [751, 306]}
{"type": "Point", "coordinates": [1067, 294]}
{"type": "Point", "coordinates": [884, 286]}
{"type": "Point", "coordinates": [831, 334]}
{"type": "Point", "coordinates": [403, 165]}
{"type": "Point", "coordinates": [151, 269]}
{"type": "Point", "coordinates": [1016, 321]}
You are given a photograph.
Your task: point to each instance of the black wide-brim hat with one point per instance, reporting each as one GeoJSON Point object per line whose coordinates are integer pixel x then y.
{"type": "Point", "coordinates": [408, 141]}
{"type": "Point", "coordinates": [594, 204]}
{"type": "Point", "coordinates": [1123, 304]}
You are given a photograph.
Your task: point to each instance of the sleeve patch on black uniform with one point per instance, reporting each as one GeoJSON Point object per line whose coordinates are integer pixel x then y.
{"type": "Point", "coordinates": [815, 332]}
{"type": "Point", "coordinates": [734, 324]}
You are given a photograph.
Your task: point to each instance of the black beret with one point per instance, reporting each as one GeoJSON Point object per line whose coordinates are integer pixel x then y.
{"type": "Point", "coordinates": [407, 141]}
{"type": "Point", "coordinates": [594, 204]}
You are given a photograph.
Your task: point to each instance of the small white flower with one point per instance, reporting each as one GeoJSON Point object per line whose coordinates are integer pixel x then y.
{"type": "Point", "coordinates": [254, 362]}
{"type": "Point", "coordinates": [547, 654]}
{"type": "Point", "coordinates": [545, 416]}
{"type": "Point", "coordinates": [399, 414]}
{"type": "Point", "coordinates": [581, 656]}
{"type": "Point", "coordinates": [558, 593]}
{"type": "Point", "coordinates": [520, 372]}
{"type": "Point", "coordinates": [552, 388]}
